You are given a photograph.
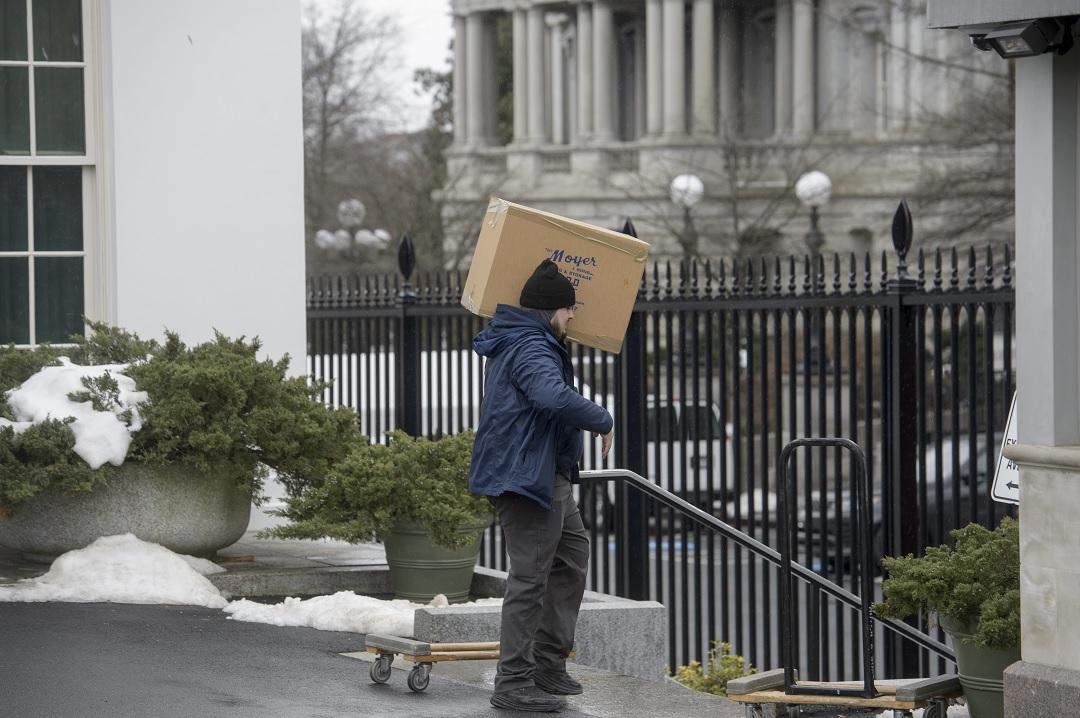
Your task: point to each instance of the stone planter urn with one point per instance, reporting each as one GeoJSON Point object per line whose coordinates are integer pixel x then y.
{"type": "Point", "coordinates": [420, 569]}
{"type": "Point", "coordinates": [176, 506]}
{"type": "Point", "coordinates": [981, 670]}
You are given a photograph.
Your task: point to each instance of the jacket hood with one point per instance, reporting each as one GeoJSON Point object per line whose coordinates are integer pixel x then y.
{"type": "Point", "coordinates": [509, 324]}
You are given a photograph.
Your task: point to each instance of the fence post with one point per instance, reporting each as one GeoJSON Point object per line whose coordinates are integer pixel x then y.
{"type": "Point", "coordinates": [632, 570]}
{"type": "Point", "coordinates": [903, 420]}
{"type": "Point", "coordinates": [407, 346]}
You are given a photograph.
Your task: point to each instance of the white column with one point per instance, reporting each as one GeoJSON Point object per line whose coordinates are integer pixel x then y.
{"type": "Point", "coordinates": [639, 83]}
{"type": "Point", "coordinates": [834, 84]}
{"type": "Point", "coordinates": [487, 78]}
{"type": "Point", "coordinates": [938, 75]}
{"type": "Point", "coordinates": [782, 84]}
{"type": "Point", "coordinates": [603, 71]}
{"type": "Point", "coordinates": [729, 70]}
{"type": "Point", "coordinates": [585, 71]}
{"type": "Point", "coordinates": [1047, 261]}
{"type": "Point", "coordinates": [572, 130]}
{"type": "Point", "coordinates": [460, 42]}
{"type": "Point", "coordinates": [535, 44]}
{"type": "Point", "coordinates": [674, 67]}
{"type": "Point", "coordinates": [897, 62]}
{"type": "Point", "coordinates": [474, 85]}
{"type": "Point", "coordinates": [654, 66]}
{"type": "Point", "coordinates": [521, 78]}
{"type": "Point", "coordinates": [556, 22]}
{"type": "Point", "coordinates": [704, 78]}
{"type": "Point", "coordinates": [803, 70]}
{"type": "Point", "coordinates": [917, 24]}
{"type": "Point", "coordinates": [1048, 357]}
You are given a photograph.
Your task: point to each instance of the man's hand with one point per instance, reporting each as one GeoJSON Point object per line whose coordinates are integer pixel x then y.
{"type": "Point", "coordinates": [606, 442]}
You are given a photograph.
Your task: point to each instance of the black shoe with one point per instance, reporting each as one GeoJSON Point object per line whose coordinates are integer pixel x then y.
{"type": "Point", "coordinates": [557, 683]}
{"type": "Point", "coordinates": [527, 699]}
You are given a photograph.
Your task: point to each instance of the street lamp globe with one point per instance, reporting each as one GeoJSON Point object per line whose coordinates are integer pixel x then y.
{"type": "Point", "coordinates": [351, 213]}
{"type": "Point", "coordinates": [687, 190]}
{"type": "Point", "coordinates": [372, 239]}
{"type": "Point", "coordinates": [814, 189]}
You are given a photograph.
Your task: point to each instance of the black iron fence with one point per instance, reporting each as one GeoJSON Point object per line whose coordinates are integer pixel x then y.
{"type": "Point", "coordinates": [723, 364]}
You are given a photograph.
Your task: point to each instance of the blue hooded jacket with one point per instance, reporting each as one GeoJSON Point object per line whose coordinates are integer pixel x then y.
{"type": "Point", "coordinates": [531, 417]}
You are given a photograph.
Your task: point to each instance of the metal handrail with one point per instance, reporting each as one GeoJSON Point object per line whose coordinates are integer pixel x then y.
{"type": "Point", "coordinates": [728, 531]}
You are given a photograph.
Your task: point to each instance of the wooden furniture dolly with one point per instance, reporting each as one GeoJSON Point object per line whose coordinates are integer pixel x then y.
{"type": "Point", "coordinates": [900, 696]}
{"type": "Point", "coordinates": [423, 656]}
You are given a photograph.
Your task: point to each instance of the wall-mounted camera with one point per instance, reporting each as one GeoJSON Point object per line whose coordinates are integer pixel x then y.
{"type": "Point", "coordinates": [1025, 39]}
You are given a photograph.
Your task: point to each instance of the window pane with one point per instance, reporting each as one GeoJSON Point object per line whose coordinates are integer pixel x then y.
{"type": "Point", "coordinates": [14, 111]}
{"type": "Point", "coordinates": [58, 298]}
{"type": "Point", "coordinates": [57, 30]}
{"type": "Point", "coordinates": [13, 209]}
{"type": "Point", "coordinates": [58, 101]}
{"type": "Point", "coordinates": [58, 208]}
{"type": "Point", "coordinates": [14, 300]}
{"type": "Point", "coordinates": [12, 29]}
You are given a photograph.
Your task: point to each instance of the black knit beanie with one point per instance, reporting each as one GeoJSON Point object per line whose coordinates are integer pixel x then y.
{"type": "Point", "coordinates": [547, 288]}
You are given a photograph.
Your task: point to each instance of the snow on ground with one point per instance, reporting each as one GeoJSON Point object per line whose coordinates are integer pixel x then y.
{"type": "Point", "coordinates": [124, 569]}
{"type": "Point", "coordinates": [344, 611]}
{"type": "Point", "coordinates": [100, 436]}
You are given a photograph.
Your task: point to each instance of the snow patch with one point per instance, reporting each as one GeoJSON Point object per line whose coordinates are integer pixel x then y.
{"type": "Point", "coordinates": [343, 611]}
{"type": "Point", "coordinates": [100, 436]}
{"type": "Point", "coordinates": [18, 426]}
{"type": "Point", "coordinates": [122, 569]}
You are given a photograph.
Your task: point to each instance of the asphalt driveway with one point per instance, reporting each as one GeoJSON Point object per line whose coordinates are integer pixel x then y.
{"type": "Point", "coordinates": [67, 660]}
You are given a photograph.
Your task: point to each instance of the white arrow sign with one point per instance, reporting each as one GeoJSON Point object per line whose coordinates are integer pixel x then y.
{"type": "Point", "coordinates": [1007, 475]}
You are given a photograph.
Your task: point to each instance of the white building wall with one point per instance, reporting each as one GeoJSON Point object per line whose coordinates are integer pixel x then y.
{"type": "Point", "coordinates": [203, 162]}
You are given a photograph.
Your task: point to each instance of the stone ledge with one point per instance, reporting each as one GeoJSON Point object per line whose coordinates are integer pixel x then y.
{"type": "Point", "coordinates": [305, 581]}
{"type": "Point", "coordinates": [302, 582]}
{"type": "Point", "coordinates": [1065, 458]}
{"type": "Point", "coordinates": [1032, 689]}
{"type": "Point", "coordinates": [615, 634]}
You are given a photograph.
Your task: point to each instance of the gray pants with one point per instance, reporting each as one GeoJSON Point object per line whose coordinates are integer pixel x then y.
{"type": "Point", "coordinates": [549, 557]}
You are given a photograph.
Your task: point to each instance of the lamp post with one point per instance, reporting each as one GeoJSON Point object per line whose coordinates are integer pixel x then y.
{"type": "Point", "coordinates": [686, 191]}
{"type": "Point", "coordinates": [814, 190]}
{"type": "Point", "coordinates": [351, 239]}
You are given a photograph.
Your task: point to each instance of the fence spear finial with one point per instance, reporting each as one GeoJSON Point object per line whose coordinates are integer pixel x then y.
{"type": "Point", "coordinates": [902, 233]}
{"type": "Point", "coordinates": [406, 256]}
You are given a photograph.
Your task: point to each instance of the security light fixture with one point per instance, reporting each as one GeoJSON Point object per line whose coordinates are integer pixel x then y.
{"type": "Point", "coordinates": [1027, 39]}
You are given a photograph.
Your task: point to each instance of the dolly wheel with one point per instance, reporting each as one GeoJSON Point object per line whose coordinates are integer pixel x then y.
{"type": "Point", "coordinates": [380, 669]}
{"type": "Point", "coordinates": [936, 709]}
{"type": "Point", "coordinates": [419, 677]}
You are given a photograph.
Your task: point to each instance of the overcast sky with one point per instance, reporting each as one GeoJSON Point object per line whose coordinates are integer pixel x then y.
{"type": "Point", "coordinates": [426, 27]}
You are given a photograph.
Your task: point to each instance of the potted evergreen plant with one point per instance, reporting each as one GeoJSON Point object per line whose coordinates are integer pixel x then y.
{"type": "Point", "coordinates": [213, 421]}
{"type": "Point", "coordinates": [412, 494]}
{"type": "Point", "coordinates": [974, 590]}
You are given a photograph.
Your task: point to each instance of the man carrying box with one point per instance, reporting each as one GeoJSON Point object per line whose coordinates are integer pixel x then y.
{"type": "Point", "coordinates": [527, 449]}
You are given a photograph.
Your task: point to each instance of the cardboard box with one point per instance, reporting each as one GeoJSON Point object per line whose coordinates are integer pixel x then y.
{"type": "Point", "coordinates": [605, 266]}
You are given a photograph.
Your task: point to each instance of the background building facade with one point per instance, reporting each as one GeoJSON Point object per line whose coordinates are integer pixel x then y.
{"type": "Point", "coordinates": [612, 99]}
